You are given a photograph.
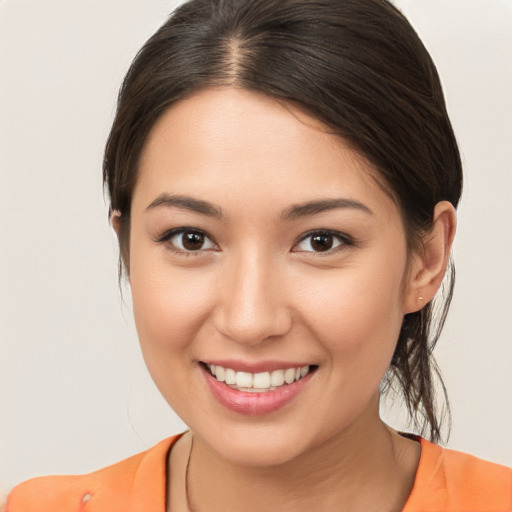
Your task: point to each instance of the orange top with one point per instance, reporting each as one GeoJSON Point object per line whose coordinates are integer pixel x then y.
{"type": "Point", "coordinates": [446, 481]}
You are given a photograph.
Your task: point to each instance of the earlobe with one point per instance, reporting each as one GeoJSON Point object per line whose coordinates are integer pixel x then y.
{"type": "Point", "coordinates": [429, 265]}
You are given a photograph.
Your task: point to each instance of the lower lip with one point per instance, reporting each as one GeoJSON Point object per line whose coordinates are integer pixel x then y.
{"type": "Point", "coordinates": [254, 404]}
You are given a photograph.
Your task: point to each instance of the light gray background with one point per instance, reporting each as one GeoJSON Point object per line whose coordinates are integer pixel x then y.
{"type": "Point", "coordinates": [75, 394]}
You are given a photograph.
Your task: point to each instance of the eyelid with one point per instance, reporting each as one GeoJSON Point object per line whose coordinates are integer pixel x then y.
{"type": "Point", "coordinates": [166, 237]}
{"type": "Point", "coordinates": [346, 241]}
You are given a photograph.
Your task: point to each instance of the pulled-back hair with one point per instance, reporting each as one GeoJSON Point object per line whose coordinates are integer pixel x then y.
{"type": "Point", "coordinates": [356, 65]}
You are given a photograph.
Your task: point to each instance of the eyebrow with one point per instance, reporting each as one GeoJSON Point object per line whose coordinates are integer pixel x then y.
{"type": "Point", "coordinates": [324, 205]}
{"type": "Point", "coordinates": [293, 212]}
{"type": "Point", "coordinates": [187, 203]}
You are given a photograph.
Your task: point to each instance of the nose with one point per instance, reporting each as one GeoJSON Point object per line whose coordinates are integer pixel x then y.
{"type": "Point", "coordinates": [252, 306]}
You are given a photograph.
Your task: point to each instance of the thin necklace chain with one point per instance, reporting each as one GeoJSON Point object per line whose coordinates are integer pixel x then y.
{"type": "Point", "coordinates": [187, 491]}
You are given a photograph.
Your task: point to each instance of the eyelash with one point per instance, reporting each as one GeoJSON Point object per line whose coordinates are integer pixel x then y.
{"type": "Point", "coordinates": [168, 235]}
{"type": "Point", "coordinates": [344, 240]}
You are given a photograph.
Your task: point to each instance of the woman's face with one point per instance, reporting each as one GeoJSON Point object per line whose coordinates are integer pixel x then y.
{"type": "Point", "coordinates": [260, 244]}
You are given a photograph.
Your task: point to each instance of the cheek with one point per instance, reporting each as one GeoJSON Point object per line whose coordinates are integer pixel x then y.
{"type": "Point", "coordinates": [169, 306]}
{"type": "Point", "coordinates": [357, 311]}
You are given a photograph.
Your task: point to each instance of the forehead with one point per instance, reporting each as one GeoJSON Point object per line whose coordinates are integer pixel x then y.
{"type": "Point", "coordinates": [231, 143]}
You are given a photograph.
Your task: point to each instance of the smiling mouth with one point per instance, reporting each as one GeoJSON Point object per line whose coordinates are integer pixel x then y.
{"type": "Point", "coordinates": [258, 382]}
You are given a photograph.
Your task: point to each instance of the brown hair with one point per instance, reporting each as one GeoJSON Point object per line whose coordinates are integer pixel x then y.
{"type": "Point", "coordinates": [356, 65]}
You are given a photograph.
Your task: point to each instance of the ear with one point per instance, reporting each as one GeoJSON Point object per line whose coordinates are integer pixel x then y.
{"type": "Point", "coordinates": [430, 262]}
{"type": "Point", "coordinates": [115, 220]}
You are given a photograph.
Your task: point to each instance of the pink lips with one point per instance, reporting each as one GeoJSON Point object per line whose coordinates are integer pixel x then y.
{"type": "Point", "coordinates": [254, 403]}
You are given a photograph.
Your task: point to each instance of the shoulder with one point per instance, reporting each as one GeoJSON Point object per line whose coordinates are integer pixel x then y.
{"type": "Point", "coordinates": [488, 475]}
{"type": "Point", "coordinates": [459, 482]}
{"type": "Point", "coordinates": [114, 488]}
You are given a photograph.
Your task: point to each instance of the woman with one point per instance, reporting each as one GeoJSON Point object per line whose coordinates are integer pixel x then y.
{"type": "Point", "coordinates": [283, 180]}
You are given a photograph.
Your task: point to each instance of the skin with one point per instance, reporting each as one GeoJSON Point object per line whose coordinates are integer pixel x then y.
{"type": "Point", "coordinates": [258, 291]}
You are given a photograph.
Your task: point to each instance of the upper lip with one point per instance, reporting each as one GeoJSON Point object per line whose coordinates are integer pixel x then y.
{"type": "Point", "coordinates": [255, 366]}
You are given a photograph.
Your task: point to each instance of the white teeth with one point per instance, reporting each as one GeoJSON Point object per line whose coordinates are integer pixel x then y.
{"type": "Point", "coordinates": [289, 375]}
{"type": "Point", "coordinates": [230, 376]}
{"type": "Point", "coordinates": [261, 380]}
{"type": "Point", "coordinates": [258, 382]}
{"type": "Point", "coordinates": [220, 373]}
{"type": "Point", "coordinates": [255, 390]}
{"type": "Point", "coordinates": [243, 379]}
{"type": "Point", "coordinates": [277, 378]}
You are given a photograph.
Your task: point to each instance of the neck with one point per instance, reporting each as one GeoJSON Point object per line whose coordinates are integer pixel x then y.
{"type": "Point", "coordinates": [368, 468]}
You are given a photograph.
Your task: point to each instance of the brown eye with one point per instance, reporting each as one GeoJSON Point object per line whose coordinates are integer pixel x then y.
{"type": "Point", "coordinates": [192, 241]}
{"type": "Point", "coordinates": [322, 243]}
{"type": "Point", "coordinates": [187, 240]}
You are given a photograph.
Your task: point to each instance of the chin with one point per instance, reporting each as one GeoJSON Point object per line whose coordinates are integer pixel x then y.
{"type": "Point", "coordinates": [256, 445]}
{"type": "Point", "coordinates": [257, 455]}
